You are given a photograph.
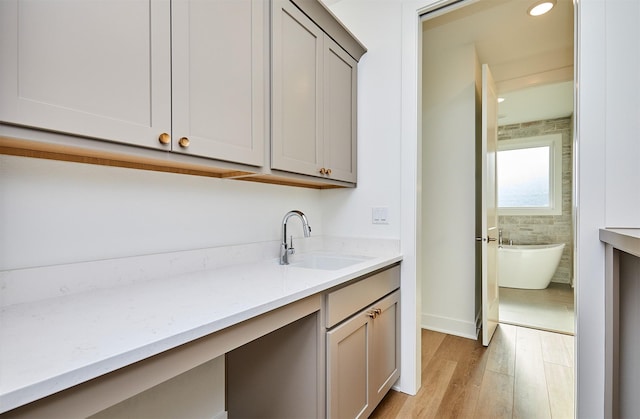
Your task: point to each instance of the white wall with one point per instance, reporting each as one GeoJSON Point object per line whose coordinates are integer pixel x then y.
{"type": "Point", "coordinates": [382, 169]}
{"type": "Point", "coordinates": [448, 187]}
{"type": "Point", "coordinates": [608, 178]}
{"type": "Point", "coordinates": [348, 212]}
{"type": "Point", "coordinates": [622, 121]}
{"type": "Point", "coordinates": [55, 212]}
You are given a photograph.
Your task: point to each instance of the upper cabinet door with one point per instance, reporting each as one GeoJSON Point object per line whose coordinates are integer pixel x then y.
{"type": "Point", "coordinates": [340, 110]}
{"type": "Point", "coordinates": [220, 78]}
{"type": "Point", "coordinates": [296, 91]}
{"type": "Point", "coordinates": [97, 68]}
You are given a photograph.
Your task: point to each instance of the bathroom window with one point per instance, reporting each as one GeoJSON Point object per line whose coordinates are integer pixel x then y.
{"type": "Point", "coordinates": [530, 176]}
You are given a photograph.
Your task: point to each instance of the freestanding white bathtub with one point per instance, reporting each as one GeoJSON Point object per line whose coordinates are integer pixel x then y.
{"type": "Point", "coordinates": [528, 266]}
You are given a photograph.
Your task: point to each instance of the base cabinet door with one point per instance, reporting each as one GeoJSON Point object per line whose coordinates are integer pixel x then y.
{"type": "Point", "coordinates": [385, 348]}
{"type": "Point", "coordinates": [363, 359]}
{"type": "Point", "coordinates": [348, 368]}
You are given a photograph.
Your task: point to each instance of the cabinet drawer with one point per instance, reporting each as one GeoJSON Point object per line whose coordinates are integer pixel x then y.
{"type": "Point", "coordinates": [348, 300]}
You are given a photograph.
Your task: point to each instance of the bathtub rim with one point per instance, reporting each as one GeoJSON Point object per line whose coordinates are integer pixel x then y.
{"type": "Point", "coordinates": [530, 247]}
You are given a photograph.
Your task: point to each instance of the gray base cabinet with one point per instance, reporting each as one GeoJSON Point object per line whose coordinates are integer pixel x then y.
{"type": "Point", "coordinates": [363, 358]}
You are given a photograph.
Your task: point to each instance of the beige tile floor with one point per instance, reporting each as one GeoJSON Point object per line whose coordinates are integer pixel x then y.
{"type": "Point", "coordinates": [549, 309]}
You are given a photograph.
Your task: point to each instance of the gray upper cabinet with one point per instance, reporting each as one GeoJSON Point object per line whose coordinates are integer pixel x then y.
{"type": "Point", "coordinates": [99, 69]}
{"type": "Point", "coordinates": [340, 111]}
{"type": "Point", "coordinates": [215, 82]}
{"type": "Point", "coordinates": [131, 71]}
{"type": "Point", "coordinates": [297, 48]}
{"type": "Point", "coordinates": [313, 98]}
{"type": "Point", "coordinates": [220, 78]}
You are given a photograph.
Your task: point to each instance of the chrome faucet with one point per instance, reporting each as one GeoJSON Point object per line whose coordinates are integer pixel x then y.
{"type": "Point", "coordinates": [287, 249]}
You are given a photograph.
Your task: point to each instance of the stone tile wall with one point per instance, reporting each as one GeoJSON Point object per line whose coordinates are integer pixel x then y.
{"type": "Point", "coordinates": [545, 229]}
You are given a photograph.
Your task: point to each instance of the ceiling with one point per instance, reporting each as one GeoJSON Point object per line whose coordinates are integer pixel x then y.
{"type": "Point", "coordinates": [536, 103]}
{"type": "Point", "coordinates": [531, 58]}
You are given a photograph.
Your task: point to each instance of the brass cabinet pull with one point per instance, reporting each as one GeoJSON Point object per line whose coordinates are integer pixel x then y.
{"type": "Point", "coordinates": [323, 171]}
{"type": "Point", "coordinates": [328, 171]}
{"type": "Point", "coordinates": [374, 312]}
{"type": "Point", "coordinates": [164, 138]}
{"type": "Point", "coordinates": [184, 142]}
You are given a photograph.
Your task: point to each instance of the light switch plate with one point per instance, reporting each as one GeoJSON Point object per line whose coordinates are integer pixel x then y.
{"type": "Point", "coordinates": [380, 215]}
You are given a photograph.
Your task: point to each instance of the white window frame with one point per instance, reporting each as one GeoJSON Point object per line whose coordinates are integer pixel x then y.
{"type": "Point", "coordinates": [554, 142]}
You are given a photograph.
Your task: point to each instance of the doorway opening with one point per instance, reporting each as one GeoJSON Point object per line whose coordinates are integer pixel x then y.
{"type": "Point", "coordinates": [531, 59]}
{"type": "Point", "coordinates": [532, 62]}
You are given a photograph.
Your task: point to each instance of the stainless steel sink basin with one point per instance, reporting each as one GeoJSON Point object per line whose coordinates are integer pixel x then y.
{"type": "Point", "coordinates": [328, 262]}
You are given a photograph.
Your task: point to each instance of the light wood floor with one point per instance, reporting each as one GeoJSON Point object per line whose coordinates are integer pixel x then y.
{"type": "Point", "coordinates": [524, 373]}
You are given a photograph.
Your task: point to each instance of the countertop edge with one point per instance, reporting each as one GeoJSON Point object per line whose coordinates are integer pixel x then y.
{"type": "Point", "coordinates": [625, 239]}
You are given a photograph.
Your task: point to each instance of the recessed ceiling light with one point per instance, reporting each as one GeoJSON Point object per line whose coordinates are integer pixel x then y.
{"type": "Point", "coordinates": [500, 99]}
{"type": "Point", "coordinates": [541, 7]}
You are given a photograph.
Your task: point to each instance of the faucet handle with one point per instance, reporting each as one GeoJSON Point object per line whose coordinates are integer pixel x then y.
{"type": "Point", "coordinates": [292, 250]}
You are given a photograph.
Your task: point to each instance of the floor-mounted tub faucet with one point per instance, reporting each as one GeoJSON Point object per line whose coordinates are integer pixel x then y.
{"type": "Point", "coordinates": [500, 240]}
{"type": "Point", "coordinates": [287, 249]}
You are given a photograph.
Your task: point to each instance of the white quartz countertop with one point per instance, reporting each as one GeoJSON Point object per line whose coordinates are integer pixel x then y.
{"type": "Point", "coordinates": [55, 343]}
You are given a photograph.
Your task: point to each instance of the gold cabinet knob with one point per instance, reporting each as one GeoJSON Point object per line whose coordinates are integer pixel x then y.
{"type": "Point", "coordinates": [323, 171]}
{"type": "Point", "coordinates": [164, 138]}
{"type": "Point", "coordinates": [184, 142]}
{"type": "Point", "coordinates": [328, 171]}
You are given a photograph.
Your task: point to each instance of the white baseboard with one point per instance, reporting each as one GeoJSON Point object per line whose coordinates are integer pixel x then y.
{"type": "Point", "coordinates": [450, 326]}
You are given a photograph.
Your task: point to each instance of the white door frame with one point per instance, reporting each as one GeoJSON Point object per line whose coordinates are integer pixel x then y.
{"type": "Point", "coordinates": [411, 172]}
